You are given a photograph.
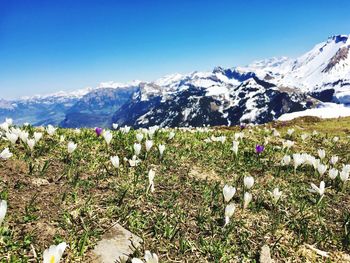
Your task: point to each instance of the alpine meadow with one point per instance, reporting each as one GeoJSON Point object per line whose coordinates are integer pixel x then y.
{"type": "Point", "coordinates": [174, 131]}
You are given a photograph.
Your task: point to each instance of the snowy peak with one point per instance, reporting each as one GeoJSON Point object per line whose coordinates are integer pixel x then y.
{"type": "Point", "coordinates": [77, 94]}
{"type": "Point", "coordinates": [325, 66]}
{"type": "Point", "coordinates": [169, 80]}
{"type": "Point", "coordinates": [116, 85]}
{"type": "Point", "coordinates": [269, 64]}
{"type": "Point", "coordinates": [55, 97]}
{"type": "Point", "coordinates": [320, 56]}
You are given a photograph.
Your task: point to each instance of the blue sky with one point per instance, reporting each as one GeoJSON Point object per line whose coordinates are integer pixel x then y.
{"type": "Point", "coordinates": [46, 46]}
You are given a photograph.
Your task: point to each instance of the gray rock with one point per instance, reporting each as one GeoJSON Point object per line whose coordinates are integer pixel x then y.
{"type": "Point", "coordinates": [116, 245]}
{"type": "Point", "coordinates": [265, 255]}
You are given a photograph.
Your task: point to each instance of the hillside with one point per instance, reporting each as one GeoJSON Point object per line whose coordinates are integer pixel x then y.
{"type": "Point", "coordinates": [55, 196]}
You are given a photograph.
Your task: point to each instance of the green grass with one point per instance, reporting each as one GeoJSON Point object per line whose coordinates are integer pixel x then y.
{"type": "Point", "coordinates": [54, 197]}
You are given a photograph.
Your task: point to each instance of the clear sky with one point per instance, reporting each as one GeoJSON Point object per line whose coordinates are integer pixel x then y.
{"type": "Point", "coordinates": [52, 45]}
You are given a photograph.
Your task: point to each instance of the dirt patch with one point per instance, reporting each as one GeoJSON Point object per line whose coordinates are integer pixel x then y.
{"type": "Point", "coordinates": [201, 174]}
{"type": "Point", "coordinates": [34, 203]}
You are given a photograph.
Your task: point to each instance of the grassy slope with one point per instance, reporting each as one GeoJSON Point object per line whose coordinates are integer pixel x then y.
{"type": "Point", "coordinates": [77, 199]}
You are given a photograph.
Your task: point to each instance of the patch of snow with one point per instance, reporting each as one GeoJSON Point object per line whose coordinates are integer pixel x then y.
{"type": "Point", "coordinates": [325, 110]}
{"type": "Point", "coordinates": [61, 94]}
{"type": "Point", "coordinates": [169, 79]}
{"type": "Point", "coordinates": [115, 85]}
{"type": "Point", "coordinates": [216, 90]}
{"type": "Point", "coordinates": [204, 83]}
{"type": "Point", "coordinates": [186, 112]}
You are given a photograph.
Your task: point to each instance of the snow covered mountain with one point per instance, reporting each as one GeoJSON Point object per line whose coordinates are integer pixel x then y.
{"type": "Point", "coordinates": [325, 67]}
{"type": "Point", "coordinates": [259, 92]}
{"type": "Point", "coordinates": [208, 103]}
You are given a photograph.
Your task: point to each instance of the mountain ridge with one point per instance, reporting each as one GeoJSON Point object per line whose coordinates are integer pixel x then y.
{"type": "Point", "coordinates": [223, 96]}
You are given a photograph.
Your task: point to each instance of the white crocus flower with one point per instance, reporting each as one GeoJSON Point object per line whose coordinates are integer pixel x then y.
{"type": "Point", "coordinates": [344, 175]}
{"type": "Point", "coordinates": [248, 182]}
{"type": "Point", "coordinates": [151, 175]}
{"type": "Point", "coordinates": [4, 126]}
{"type": "Point", "coordinates": [286, 160]}
{"type": "Point", "coordinates": [297, 160]}
{"type": "Point", "coordinates": [50, 130]}
{"type": "Point", "coordinates": [37, 136]}
{"type": "Point", "coordinates": [229, 211]}
{"type": "Point", "coordinates": [125, 129]}
{"type": "Point", "coordinates": [333, 173]}
{"type": "Point", "coordinates": [71, 147]}
{"type": "Point", "coordinates": [319, 190]}
{"type": "Point", "coordinates": [276, 133]}
{"type": "Point", "coordinates": [346, 168]}
{"type": "Point", "coordinates": [3, 210]}
{"type": "Point", "coordinates": [334, 159]}
{"type": "Point", "coordinates": [9, 121]}
{"type": "Point", "coordinates": [287, 144]}
{"type": "Point", "coordinates": [239, 135]}
{"type": "Point", "coordinates": [139, 137]}
{"type": "Point", "coordinates": [24, 136]}
{"type": "Point", "coordinates": [290, 132]}
{"type": "Point", "coordinates": [228, 192]}
{"type": "Point", "coordinates": [235, 147]}
{"type": "Point", "coordinates": [108, 136]}
{"type": "Point", "coordinates": [321, 153]}
{"type": "Point", "coordinates": [276, 194]}
{"type": "Point", "coordinates": [12, 137]}
{"type": "Point", "coordinates": [16, 131]}
{"type": "Point", "coordinates": [321, 168]}
{"type": "Point", "coordinates": [115, 161]}
{"type": "Point", "coordinates": [266, 141]}
{"type": "Point", "coordinates": [308, 159]}
{"type": "Point", "coordinates": [336, 139]}
{"type": "Point", "coordinates": [151, 257]}
{"type": "Point", "coordinates": [115, 126]}
{"type": "Point", "coordinates": [171, 135]}
{"type": "Point", "coordinates": [304, 136]}
{"type": "Point", "coordinates": [247, 199]}
{"type": "Point", "coordinates": [221, 139]}
{"type": "Point", "coordinates": [5, 154]}
{"type": "Point", "coordinates": [62, 138]}
{"type": "Point", "coordinates": [54, 253]}
{"type": "Point", "coordinates": [148, 144]}
{"type": "Point", "coordinates": [31, 143]}
{"type": "Point", "coordinates": [161, 148]}
{"type": "Point", "coordinates": [137, 148]}
{"type": "Point", "coordinates": [134, 161]}
{"type": "Point", "coordinates": [316, 163]}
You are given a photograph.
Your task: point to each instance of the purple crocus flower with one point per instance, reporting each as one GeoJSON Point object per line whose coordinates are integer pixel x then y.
{"type": "Point", "coordinates": [242, 126]}
{"type": "Point", "coordinates": [259, 148]}
{"type": "Point", "coordinates": [98, 131]}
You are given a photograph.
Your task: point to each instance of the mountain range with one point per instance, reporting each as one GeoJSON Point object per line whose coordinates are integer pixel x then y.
{"type": "Point", "coordinates": [256, 93]}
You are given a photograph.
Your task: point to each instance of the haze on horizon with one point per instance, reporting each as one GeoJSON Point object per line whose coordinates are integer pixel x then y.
{"type": "Point", "coordinates": [48, 46]}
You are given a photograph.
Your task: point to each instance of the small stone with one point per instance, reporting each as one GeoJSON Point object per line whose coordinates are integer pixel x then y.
{"type": "Point", "coordinates": [116, 245]}
{"type": "Point", "coordinates": [40, 181]}
{"type": "Point", "coordinates": [265, 255]}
